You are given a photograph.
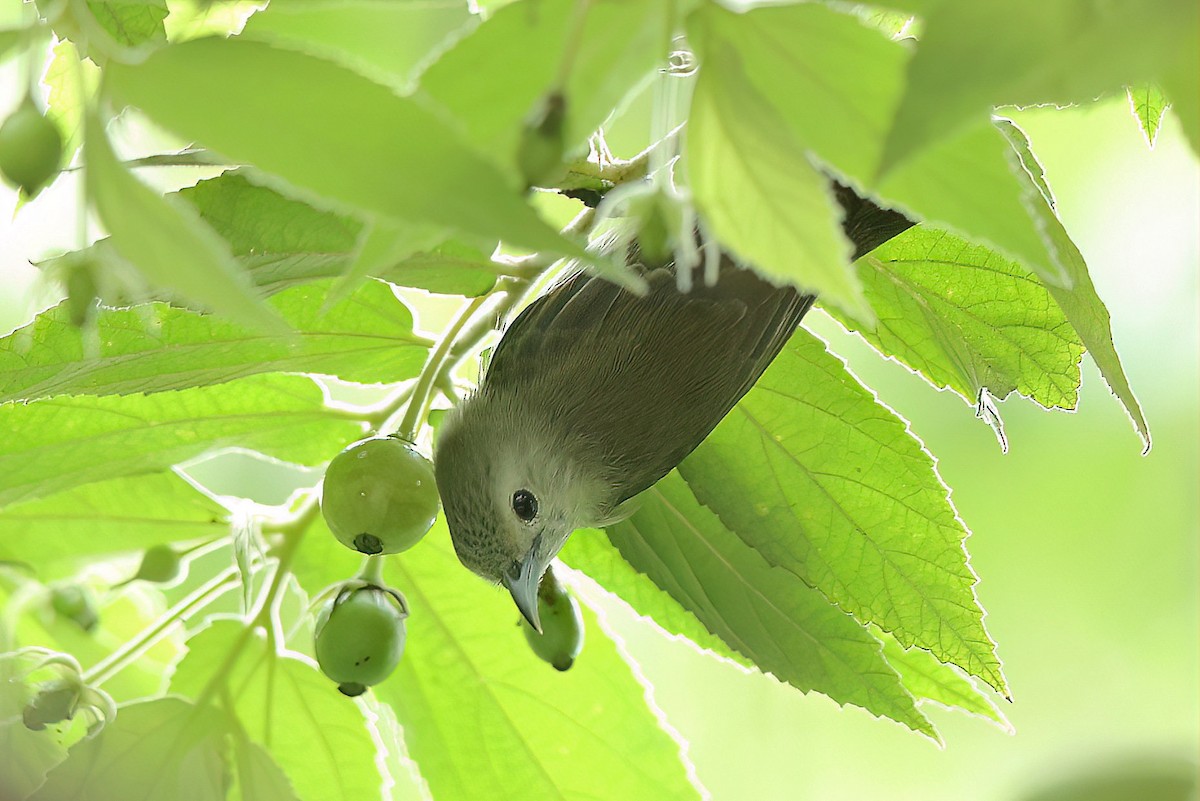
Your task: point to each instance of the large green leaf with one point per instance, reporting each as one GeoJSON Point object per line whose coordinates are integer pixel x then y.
{"type": "Point", "coordinates": [485, 718]}
{"type": "Point", "coordinates": [164, 748]}
{"type": "Point", "coordinates": [69, 95]}
{"type": "Point", "coordinates": [835, 82]}
{"type": "Point", "coordinates": [387, 41]}
{"type": "Point", "coordinates": [765, 613]}
{"type": "Point", "coordinates": [1080, 302]}
{"type": "Point", "coordinates": [757, 190]}
{"type": "Point", "coordinates": [931, 681]}
{"type": "Point", "coordinates": [59, 443]}
{"type": "Point", "coordinates": [493, 79]}
{"type": "Point", "coordinates": [366, 338]}
{"type": "Point", "coordinates": [259, 777]}
{"type": "Point", "coordinates": [968, 319]}
{"type": "Point", "coordinates": [28, 754]}
{"type": "Point", "coordinates": [826, 482]}
{"type": "Point", "coordinates": [331, 132]}
{"type": "Point", "coordinates": [56, 533]}
{"type": "Point", "coordinates": [974, 56]}
{"type": "Point", "coordinates": [316, 735]}
{"type": "Point", "coordinates": [167, 242]}
{"type": "Point", "coordinates": [131, 22]}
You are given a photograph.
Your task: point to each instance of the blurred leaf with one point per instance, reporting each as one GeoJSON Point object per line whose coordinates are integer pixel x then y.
{"type": "Point", "coordinates": [765, 613]}
{"type": "Point", "coordinates": [9, 39]}
{"type": "Point", "coordinates": [164, 748]}
{"type": "Point", "coordinates": [316, 735]}
{"type": "Point", "coordinates": [167, 242]}
{"type": "Point", "coordinates": [66, 102]}
{"type": "Point", "coordinates": [1182, 85]}
{"type": "Point", "coordinates": [494, 78]}
{"type": "Point", "coordinates": [56, 533]}
{"type": "Point", "coordinates": [382, 244]}
{"type": "Point", "coordinates": [930, 680]}
{"type": "Point", "coordinates": [833, 81]}
{"type": "Point", "coordinates": [1082, 306]}
{"type": "Point", "coordinates": [366, 338]}
{"type": "Point", "coordinates": [591, 552]}
{"type": "Point", "coordinates": [757, 190]}
{"type": "Point", "coordinates": [821, 479]}
{"type": "Point", "coordinates": [28, 755]}
{"type": "Point", "coordinates": [968, 319]}
{"type": "Point", "coordinates": [332, 132]}
{"type": "Point", "coordinates": [386, 41]}
{"type": "Point", "coordinates": [974, 56]}
{"type": "Point", "coordinates": [1148, 105]}
{"type": "Point", "coordinates": [131, 22]}
{"type": "Point", "coordinates": [59, 443]}
{"type": "Point", "coordinates": [259, 777]}
{"type": "Point", "coordinates": [1131, 776]}
{"type": "Point", "coordinates": [484, 718]}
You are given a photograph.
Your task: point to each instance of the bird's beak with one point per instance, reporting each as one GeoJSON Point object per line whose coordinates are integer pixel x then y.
{"type": "Point", "coordinates": [522, 583]}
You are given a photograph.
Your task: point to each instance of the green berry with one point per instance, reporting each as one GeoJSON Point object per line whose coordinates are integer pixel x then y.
{"type": "Point", "coordinates": [54, 703]}
{"type": "Point", "coordinates": [76, 603]}
{"type": "Point", "coordinates": [543, 142]}
{"type": "Point", "coordinates": [30, 148]}
{"type": "Point", "coordinates": [379, 496]}
{"type": "Point", "coordinates": [160, 564]}
{"type": "Point", "coordinates": [360, 637]}
{"type": "Point", "coordinates": [561, 639]}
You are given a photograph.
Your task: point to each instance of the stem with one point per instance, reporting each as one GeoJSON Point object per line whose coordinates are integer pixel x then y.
{"type": "Point", "coordinates": [200, 597]}
{"type": "Point", "coordinates": [372, 570]}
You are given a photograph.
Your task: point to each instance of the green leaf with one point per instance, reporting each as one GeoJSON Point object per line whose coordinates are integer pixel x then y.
{"type": "Point", "coordinates": [1082, 306]}
{"type": "Point", "coordinates": [1148, 105]}
{"type": "Point", "coordinates": [166, 242]}
{"type": "Point", "coordinates": [382, 244]}
{"type": "Point", "coordinates": [332, 132]}
{"type": "Point", "coordinates": [494, 78]}
{"type": "Point", "coordinates": [591, 552]}
{"type": "Point", "coordinates": [810, 470]}
{"type": "Point", "coordinates": [757, 190]}
{"type": "Point", "coordinates": [59, 443]}
{"type": "Point", "coordinates": [974, 56]}
{"type": "Point", "coordinates": [67, 100]}
{"type": "Point", "coordinates": [388, 42]}
{"type": "Point", "coordinates": [164, 748]}
{"type": "Point", "coordinates": [765, 613]}
{"type": "Point", "coordinates": [315, 734]}
{"type": "Point", "coordinates": [366, 338]}
{"type": "Point", "coordinates": [131, 22]}
{"type": "Point", "coordinates": [56, 534]}
{"type": "Point", "coordinates": [259, 777]}
{"type": "Point", "coordinates": [1182, 85]}
{"type": "Point", "coordinates": [485, 718]}
{"type": "Point", "coordinates": [834, 81]}
{"type": "Point", "coordinates": [968, 319]}
{"type": "Point", "coordinates": [28, 755]}
{"type": "Point", "coordinates": [930, 680]}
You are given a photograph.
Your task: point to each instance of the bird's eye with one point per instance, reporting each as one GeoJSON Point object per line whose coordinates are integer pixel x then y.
{"type": "Point", "coordinates": [525, 504]}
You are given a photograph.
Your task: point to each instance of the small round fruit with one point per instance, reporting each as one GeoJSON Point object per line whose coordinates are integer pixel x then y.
{"type": "Point", "coordinates": [76, 603]}
{"type": "Point", "coordinates": [30, 148]}
{"type": "Point", "coordinates": [379, 496]}
{"type": "Point", "coordinates": [54, 703]}
{"type": "Point", "coordinates": [160, 564]}
{"type": "Point", "coordinates": [561, 639]}
{"type": "Point", "coordinates": [360, 637]}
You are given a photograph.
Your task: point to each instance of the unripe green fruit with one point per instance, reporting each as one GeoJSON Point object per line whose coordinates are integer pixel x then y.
{"type": "Point", "coordinates": [76, 603]}
{"type": "Point", "coordinates": [160, 564]}
{"type": "Point", "coordinates": [54, 703]}
{"type": "Point", "coordinates": [30, 148]}
{"type": "Point", "coordinates": [360, 637]}
{"type": "Point", "coordinates": [561, 639]}
{"type": "Point", "coordinates": [379, 496]}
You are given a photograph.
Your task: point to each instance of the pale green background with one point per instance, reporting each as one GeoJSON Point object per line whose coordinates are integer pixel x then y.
{"type": "Point", "coordinates": [1087, 550]}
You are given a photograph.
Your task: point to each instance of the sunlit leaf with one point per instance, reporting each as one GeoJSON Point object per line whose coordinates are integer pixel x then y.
{"type": "Point", "coordinates": [966, 318]}
{"type": "Point", "coordinates": [930, 680]}
{"type": "Point", "coordinates": [366, 338]}
{"type": "Point", "coordinates": [827, 483]}
{"type": "Point", "coordinates": [66, 100]}
{"type": "Point", "coordinates": [55, 534]}
{"type": "Point", "coordinates": [1148, 105]}
{"type": "Point", "coordinates": [343, 137]}
{"type": "Point", "coordinates": [314, 733]}
{"type": "Point", "coordinates": [757, 190]}
{"type": "Point", "coordinates": [28, 754]}
{"type": "Point", "coordinates": [259, 777]}
{"type": "Point", "coordinates": [131, 22]}
{"type": "Point", "coordinates": [164, 748]}
{"type": "Point", "coordinates": [166, 241]}
{"type": "Point", "coordinates": [59, 443]}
